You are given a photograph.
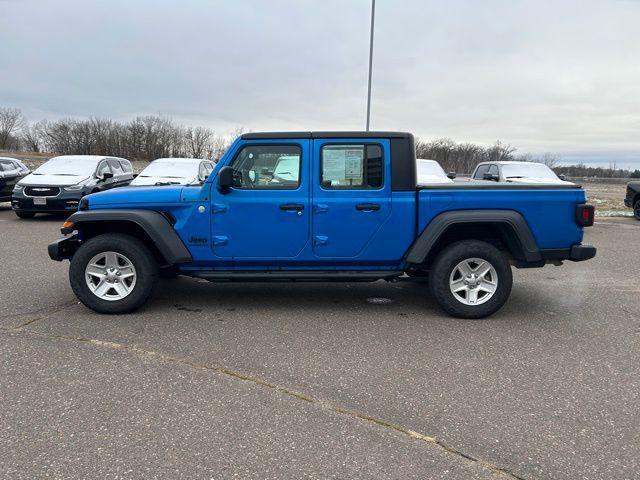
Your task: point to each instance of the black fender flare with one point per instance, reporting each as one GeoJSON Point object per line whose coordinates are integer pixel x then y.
{"type": "Point", "coordinates": [153, 223]}
{"type": "Point", "coordinates": [419, 250]}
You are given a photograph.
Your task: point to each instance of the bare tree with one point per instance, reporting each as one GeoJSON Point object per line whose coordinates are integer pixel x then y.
{"type": "Point", "coordinates": [551, 160]}
{"type": "Point", "coordinates": [462, 157]}
{"type": "Point", "coordinates": [33, 135]}
{"type": "Point", "coordinates": [198, 141]}
{"type": "Point", "coordinates": [11, 121]}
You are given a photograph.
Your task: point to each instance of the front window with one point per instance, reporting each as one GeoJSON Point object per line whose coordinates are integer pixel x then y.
{"type": "Point", "coordinates": [102, 169]}
{"type": "Point", "coordinates": [482, 169]}
{"type": "Point", "coordinates": [267, 166]}
{"type": "Point", "coordinates": [171, 169]}
{"type": "Point", "coordinates": [528, 170]}
{"type": "Point", "coordinates": [7, 166]}
{"type": "Point", "coordinates": [352, 166]}
{"type": "Point", "coordinates": [68, 166]}
{"type": "Point", "coordinates": [115, 167]}
{"type": "Point", "coordinates": [429, 169]}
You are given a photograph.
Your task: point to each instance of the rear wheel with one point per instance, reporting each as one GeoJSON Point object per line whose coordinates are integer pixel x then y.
{"type": "Point", "coordinates": [113, 273]}
{"type": "Point", "coordinates": [471, 279]}
{"type": "Point", "coordinates": [25, 214]}
{"type": "Point", "coordinates": [636, 209]}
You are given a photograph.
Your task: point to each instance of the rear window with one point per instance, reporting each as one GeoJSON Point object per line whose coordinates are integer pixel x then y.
{"type": "Point", "coordinates": [352, 166]}
{"type": "Point", "coordinates": [126, 166]}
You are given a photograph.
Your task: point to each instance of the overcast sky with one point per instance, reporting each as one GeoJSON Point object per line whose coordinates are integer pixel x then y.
{"type": "Point", "coordinates": [559, 76]}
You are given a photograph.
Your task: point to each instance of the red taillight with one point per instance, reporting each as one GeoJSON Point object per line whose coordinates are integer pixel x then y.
{"type": "Point", "coordinates": [585, 214]}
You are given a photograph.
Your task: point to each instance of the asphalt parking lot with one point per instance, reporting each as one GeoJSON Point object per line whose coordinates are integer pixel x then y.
{"type": "Point", "coordinates": [321, 380]}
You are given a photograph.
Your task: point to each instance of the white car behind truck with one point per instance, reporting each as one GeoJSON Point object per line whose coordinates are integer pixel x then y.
{"type": "Point", "coordinates": [174, 171]}
{"type": "Point", "coordinates": [516, 172]}
{"type": "Point", "coordinates": [430, 171]}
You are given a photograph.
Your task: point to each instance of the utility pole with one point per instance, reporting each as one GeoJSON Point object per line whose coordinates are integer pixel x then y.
{"type": "Point", "coordinates": [373, 13]}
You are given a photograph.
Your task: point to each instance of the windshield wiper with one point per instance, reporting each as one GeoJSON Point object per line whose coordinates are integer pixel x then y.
{"type": "Point", "coordinates": [515, 176]}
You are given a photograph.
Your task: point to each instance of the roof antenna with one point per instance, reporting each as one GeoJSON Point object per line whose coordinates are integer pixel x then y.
{"type": "Point", "coordinates": [373, 13]}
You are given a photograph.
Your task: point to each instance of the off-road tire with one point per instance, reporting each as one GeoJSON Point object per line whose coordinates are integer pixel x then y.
{"type": "Point", "coordinates": [143, 260]}
{"type": "Point", "coordinates": [636, 210]}
{"type": "Point", "coordinates": [446, 262]}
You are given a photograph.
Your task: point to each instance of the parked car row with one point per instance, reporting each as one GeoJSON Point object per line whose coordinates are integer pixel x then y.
{"type": "Point", "coordinates": [430, 171]}
{"type": "Point", "coordinates": [58, 185]}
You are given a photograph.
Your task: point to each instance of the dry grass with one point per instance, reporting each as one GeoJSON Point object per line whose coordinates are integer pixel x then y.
{"type": "Point", "coordinates": [608, 198]}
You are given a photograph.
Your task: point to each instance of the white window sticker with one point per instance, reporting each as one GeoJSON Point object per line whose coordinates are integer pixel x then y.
{"type": "Point", "coordinates": [343, 166]}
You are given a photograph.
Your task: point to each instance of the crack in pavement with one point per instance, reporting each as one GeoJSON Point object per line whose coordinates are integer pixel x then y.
{"type": "Point", "coordinates": [505, 473]}
{"type": "Point", "coordinates": [47, 312]}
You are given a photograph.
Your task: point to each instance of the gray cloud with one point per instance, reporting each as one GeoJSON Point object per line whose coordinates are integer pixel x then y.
{"type": "Point", "coordinates": [557, 76]}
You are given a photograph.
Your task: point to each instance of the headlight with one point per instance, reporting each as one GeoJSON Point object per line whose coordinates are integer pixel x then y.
{"type": "Point", "coordinates": [17, 188]}
{"type": "Point", "coordinates": [74, 188]}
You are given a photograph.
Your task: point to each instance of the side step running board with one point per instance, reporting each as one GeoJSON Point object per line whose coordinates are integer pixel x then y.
{"type": "Point", "coordinates": [294, 276]}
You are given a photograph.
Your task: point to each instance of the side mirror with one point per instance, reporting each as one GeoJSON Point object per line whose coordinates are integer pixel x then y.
{"type": "Point", "coordinates": [105, 176]}
{"type": "Point", "coordinates": [225, 179]}
{"type": "Point", "coordinates": [562, 176]}
{"type": "Point", "coordinates": [451, 175]}
{"type": "Point", "coordinates": [491, 176]}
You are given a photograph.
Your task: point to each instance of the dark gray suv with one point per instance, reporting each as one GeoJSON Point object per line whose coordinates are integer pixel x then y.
{"type": "Point", "coordinates": [58, 185]}
{"type": "Point", "coordinates": [12, 171]}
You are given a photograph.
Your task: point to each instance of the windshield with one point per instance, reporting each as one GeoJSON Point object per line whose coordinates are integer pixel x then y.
{"type": "Point", "coordinates": [528, 170]}
{"type": "Point", "coordinates": [430, 168]}
{"type": "Point", "coordinates": [80, 167]}
{"type": "Point", "coordinates": [170, 169]}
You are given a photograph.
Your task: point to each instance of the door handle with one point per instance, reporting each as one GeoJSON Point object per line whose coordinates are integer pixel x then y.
{"type": "Point", "coordinates": [292, 207]}
{"type": "Point", "coordinates": [367, 207]}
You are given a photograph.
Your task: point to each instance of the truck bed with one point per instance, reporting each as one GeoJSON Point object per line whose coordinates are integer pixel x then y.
{"type": "Point", "coordinates": [549, 210]}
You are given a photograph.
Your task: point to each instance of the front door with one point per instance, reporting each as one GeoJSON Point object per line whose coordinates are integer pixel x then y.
{"type": "Point", "coordinates": [266, 214]}
{"type": "Point", "coordinates": [351, 195]}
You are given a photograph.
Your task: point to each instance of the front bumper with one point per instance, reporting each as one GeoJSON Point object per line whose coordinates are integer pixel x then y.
{"type": "Point", "coordinates": [577, 253]}
{"type": "Point", "coordinates": [65, 202]}
{"type": "Point", "coordinates": [63, 248]}
{"type": "Point", "coordinates": [627, 202]}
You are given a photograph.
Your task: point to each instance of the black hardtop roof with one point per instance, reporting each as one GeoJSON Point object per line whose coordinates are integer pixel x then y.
{"type": "Point", "coordinates": [358, 134]}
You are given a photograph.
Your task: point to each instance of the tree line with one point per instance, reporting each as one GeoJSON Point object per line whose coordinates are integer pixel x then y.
{"type": "Point", "coordinates": [150, 137]}
{"type": "Point", "coordinates": [143, 138]}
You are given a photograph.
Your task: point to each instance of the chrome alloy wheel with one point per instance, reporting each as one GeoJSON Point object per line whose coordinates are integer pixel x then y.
{"type": "Point", "coordinates": [473, 281]}
{"type": "Point", "coordinates": [110, 276]}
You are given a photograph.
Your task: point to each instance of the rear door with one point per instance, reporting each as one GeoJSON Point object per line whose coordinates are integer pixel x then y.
{"type": "Point", "coordinates": [351, 194]}
{"type": "Point", "coordinates": [265, 215]}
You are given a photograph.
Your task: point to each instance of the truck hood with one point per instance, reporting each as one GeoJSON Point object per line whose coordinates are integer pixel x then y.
{"type": "Point", "coordinates": [124, 196]}
{"type": "Point", "coordinates": [543, 181]}
{"type": "Point", "coordinates": [52, 180]}
{"type": "Point", "coordinates": [142, 180]}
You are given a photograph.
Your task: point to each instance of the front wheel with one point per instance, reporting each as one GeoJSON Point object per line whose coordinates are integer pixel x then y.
{"type": "Point", "coordinates": [471, 279]}
{"type": "Point", "coordinates": [113, 273]}
{"type": "Point", "coordinates": [636, 210]}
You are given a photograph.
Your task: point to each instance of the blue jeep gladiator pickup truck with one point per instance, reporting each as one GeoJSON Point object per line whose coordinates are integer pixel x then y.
{"type": "Point", "coordinates": [322, 206]}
